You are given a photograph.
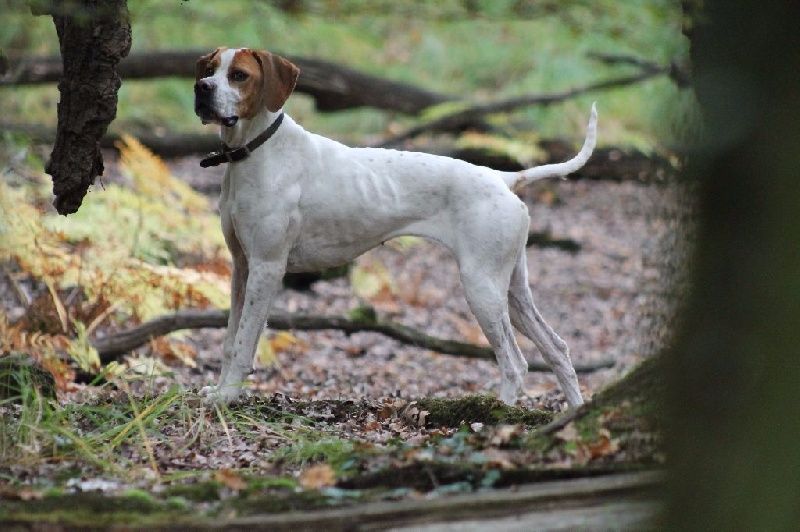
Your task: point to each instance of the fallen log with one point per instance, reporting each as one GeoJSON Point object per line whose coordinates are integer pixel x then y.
{"type": "Point", "coordinates": [609, 163]}
{"type": "Point", "coordinates": [112, 347]}
{"type": "Point", "coordinates": [332, 86]}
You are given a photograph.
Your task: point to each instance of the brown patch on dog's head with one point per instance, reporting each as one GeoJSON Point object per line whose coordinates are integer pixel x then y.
{"type": "Point", "coordinates": [207, 64]}
{"type": "Point", "coordinates": [278, 78]}
{"type": "Point", "coordinates": [245, 73]}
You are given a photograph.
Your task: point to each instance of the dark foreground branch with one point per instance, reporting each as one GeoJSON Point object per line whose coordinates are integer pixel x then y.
{"type": "Point", "coordinates": [112, 347]}
{"type": "Point", "coordinates": [94, 37]}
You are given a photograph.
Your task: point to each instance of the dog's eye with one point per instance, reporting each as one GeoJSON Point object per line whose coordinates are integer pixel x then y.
{"type": "Point", "coordinates": [209, 72]}
{"type": "Point", "coordinates": [238, 75]}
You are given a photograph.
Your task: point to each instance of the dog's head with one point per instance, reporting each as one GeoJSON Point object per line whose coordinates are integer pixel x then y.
{"type": "Point", "coordinates": [239, 83]}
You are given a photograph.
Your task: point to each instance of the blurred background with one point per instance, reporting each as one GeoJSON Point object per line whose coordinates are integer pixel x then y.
{"type": "Point", "coordinates": [471, 50]}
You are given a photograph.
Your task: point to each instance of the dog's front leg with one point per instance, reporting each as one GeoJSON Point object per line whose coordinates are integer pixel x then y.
{"type": "Point", "coordinates": [263, 282]}
{"type": "Point", "coordinates": [238, 282]}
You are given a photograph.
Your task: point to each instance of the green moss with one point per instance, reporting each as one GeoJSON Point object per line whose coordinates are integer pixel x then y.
{"type": "Point", "coordinates": [177, 503]}
{"type": "Point", "coordinates": [313, 447]}
{"type": "Point", "coordinates": [264, 483]}
{"type": "Point", "coordinates": [92, 509]}
{"type": "Point", "coordinates": [643, 384]}
{"type": "Point", "coordinates": [630, 410]}
{"type": "Point", "coordinates": [197, 492]}
{"type": "Point", "coordinates": [364, 313]}
{"type": "Point", "coordinates": [279, 502]}
{"type": "Point", "coordinates": [479, 408]}
{"type": "Point", "coordinates": [140, 496]}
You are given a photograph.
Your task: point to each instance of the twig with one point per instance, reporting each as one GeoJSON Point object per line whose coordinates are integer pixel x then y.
{"type": "Point", "coordinates": [622, 59]}
{"type": "Point", "coordinates": [101, 318]}
{"type": "Point", "coordinates": [112, 347]}
{"type": "Point", "coordinates": [677, 69]}
{"type": "Point", "coordinates": [60, 310]}
{"type": "Point", "coordinates": [18, 290]}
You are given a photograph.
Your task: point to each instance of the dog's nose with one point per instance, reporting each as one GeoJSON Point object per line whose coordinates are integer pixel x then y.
{"type": "Point", "coordinates": [204, 86]}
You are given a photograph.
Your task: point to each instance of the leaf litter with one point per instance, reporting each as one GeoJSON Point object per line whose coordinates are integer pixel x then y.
{"type": "Point", "coordinates": [323, 410]}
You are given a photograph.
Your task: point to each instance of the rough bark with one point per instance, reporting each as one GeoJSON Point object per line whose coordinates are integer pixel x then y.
{"type": "Point", "coordinates": [94, 35]}
{"type": "Point", "coordinates": [332, 86]}
{"type": "Point", "coordinates": [112, 347]}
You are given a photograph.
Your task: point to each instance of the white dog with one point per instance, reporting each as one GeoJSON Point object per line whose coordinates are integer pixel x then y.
{"type": "Point", "coordinates": [295, 201]}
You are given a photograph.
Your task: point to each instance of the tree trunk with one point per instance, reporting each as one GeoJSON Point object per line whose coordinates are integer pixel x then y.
{"type": "Point", "coordinates": [734, 375]}
{"type": "Point", "coordinates": [94, 35]}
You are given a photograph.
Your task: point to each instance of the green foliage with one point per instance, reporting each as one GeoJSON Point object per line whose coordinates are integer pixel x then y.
{"type": "Point", "coordinates": [318, 447]}
{"type": "Point", "coordinates": [82, 351]}
{"type": "Point", "coordinates": [477, 50]}
{"type": "Point", "coordinates": [157, 222]}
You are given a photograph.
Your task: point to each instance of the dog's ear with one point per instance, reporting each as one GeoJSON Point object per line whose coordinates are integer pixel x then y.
{"type": "Point", "coordinates": [201, 67]}
{"type": "Point", "coordinates": [278, 78]}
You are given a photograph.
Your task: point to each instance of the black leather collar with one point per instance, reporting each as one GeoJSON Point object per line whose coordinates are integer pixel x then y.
{"type": "Point", "coordinates": [234, 155]}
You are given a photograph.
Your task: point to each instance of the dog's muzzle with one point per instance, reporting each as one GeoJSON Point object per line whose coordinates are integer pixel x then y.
{"type": "Point", "coordinates": [204, 107]}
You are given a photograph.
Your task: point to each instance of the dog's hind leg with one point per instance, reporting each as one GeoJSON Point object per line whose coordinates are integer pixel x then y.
{"type": "Point", "coordinates": [488, 302]}
{"type": "Point", "coordinates": [527, 319]}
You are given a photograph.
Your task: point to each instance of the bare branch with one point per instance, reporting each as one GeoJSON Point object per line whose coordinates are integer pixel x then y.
{"type": "Point", "coordinates": [461, 119]}
{"type": "Point", "coordinates": [112, 347]}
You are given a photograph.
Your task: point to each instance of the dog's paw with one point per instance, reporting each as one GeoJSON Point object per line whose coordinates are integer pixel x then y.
{"type": "Point", "coordinates": [219, 395]}
{"type": "Point", "coordinates": [509, 391]}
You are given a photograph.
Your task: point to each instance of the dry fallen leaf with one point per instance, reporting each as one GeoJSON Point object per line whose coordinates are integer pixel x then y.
{"type": "Point", "coordinates": [172, 351]}
{"type": "Point", "coordinates": [230, 479]}
{"type": "Point", "coordinates": [603, 446]}
{"type": "Point", "coordinates": [504, 433]}
{"type": "Point", "coordinates": [385, 413]}
{"type": "Point", "coordinates": [568, 433]}
{"type": "Point", "coordinates": [318, 476]}
{"type": "Point", "coordinates": [498, 458]}
{"type": "Point", "coordinates": [25, 493]}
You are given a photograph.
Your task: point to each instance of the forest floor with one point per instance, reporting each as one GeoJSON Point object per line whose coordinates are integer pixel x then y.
{"type": "Point", "coordinates": [336, 420]}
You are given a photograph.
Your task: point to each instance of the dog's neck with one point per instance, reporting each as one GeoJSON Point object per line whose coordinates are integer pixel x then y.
{"type": "Point", "coordinates": [246, 129]}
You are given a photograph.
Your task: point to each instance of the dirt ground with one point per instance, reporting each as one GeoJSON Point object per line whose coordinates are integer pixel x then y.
{"type": "Point", "coordinates": [339, 420]}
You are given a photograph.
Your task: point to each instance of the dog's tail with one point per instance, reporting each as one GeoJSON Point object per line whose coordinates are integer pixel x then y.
{"type": "Point", "coordinates": [560, 169]}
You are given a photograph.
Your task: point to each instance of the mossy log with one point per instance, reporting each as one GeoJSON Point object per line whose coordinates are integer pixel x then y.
{"type": "Point", "coordinates": [452, 412]}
